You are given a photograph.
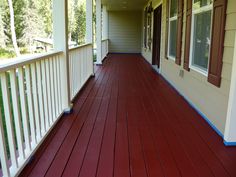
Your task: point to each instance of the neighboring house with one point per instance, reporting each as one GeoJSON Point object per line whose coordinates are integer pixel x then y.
{"type": "Point", "coordinates": [46, 44]}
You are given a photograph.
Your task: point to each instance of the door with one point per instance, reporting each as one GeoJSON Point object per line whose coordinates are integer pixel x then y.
{"type": "Point", "coordinates": [157, 36]}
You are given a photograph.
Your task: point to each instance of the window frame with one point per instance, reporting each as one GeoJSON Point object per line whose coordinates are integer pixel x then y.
{"type": "Point", "coordinates": [171, 19]}
{"type": "Point", "coordinates": [195, 12]}
{"type": "Point", "coordinates": [145, 29]}
{"type": "Point", "coordinates": [148, 27]}
{"type": "Point", "coordinates": [149, 30]}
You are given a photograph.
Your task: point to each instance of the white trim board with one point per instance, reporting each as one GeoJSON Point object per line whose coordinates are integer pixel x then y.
{"type": "Point", "coordinates": [230, 127]}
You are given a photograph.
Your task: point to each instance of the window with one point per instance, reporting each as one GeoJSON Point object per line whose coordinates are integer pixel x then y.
{"type": "Point", "coordinates": [145, 29]}
{"type": "Point", "coordinates": [148, 27]}
{"type": "Point", "coordinates": [172, 29]}
{"type": "Point", "coordinates": [201, 35]}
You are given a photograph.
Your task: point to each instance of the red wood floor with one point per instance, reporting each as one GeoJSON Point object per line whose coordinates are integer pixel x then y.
{"type": "Point", "coordinates": [126, 122]}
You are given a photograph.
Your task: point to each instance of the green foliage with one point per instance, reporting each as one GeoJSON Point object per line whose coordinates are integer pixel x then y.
{"type": "Point", "coordinates": [19, 13]}
{"type": "Point", "coordinates": [2, 35]}
{"type": "Point", "coordinates": [78, 33]}
{"type": "Point", "coordinates": [45, 11]}
{"type": "Point", "coordinates": [34, 22]}
{"type": "Point", "coordinates": [4, 53]}
{"type": "Point", "coordinates": [33, 19]}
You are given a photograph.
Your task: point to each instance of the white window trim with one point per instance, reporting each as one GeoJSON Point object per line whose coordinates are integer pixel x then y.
{"type": "Point", "coordinates": [169, 21]}
{"type": "Point", "coordinates": [195, 12]}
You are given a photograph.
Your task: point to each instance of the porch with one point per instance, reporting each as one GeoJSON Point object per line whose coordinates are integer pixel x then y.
{"type": "Point", "coordinates": [155, 111]}
{"type": "Point", "coordinates": [128, 121]}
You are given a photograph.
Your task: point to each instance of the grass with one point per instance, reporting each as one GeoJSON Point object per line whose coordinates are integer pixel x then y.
{"type": "Point", "coordinates": [94, 57]}
{"type": "Point", "coordinates": [6, 53]}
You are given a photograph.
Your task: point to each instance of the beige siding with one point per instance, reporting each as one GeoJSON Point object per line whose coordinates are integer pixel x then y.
{"type": "Point", "coordinates": [124, 32]}
{"type": "Point", "coordinates": [210, 100]}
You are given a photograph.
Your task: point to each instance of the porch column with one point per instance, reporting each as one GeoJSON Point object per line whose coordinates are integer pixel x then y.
{"type": "Point", "coordinates": [99, 31]}
{"type": "Point", "coordinates": [104, 23]}
{"type": "Point", "coordinates": [89, 21]}
{"type": "Point", "coordinates": [60, 42]}
{"type": "Point", "coordinates": [230, 128]}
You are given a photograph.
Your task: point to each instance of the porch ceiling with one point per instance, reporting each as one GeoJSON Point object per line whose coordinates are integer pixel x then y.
{"type": "Point", "coordinates": [119, 5]}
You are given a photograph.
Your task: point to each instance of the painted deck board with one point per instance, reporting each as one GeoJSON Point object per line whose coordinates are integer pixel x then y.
{"type": "Point", "coordinates": [127, 121]}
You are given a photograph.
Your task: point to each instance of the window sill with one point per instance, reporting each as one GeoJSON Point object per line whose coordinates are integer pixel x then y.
{"type": "Point", "coordinates": [171, 58]}
{"type": "Point", "coordinates": [199, 71]}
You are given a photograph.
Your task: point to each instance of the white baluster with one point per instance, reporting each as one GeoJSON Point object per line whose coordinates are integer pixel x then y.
{"type": "Point", "coordinates": [3, 152]}
{"type": "Point", "coordinates": [30, 105]}
{"type": "Point", "coordinates": [49, 91]}
{"type": "Point", "coordinates": [52, 87]}
{"type": "Point", "coordinates": [45, 95]}
{"type": "Point", "coordinates": [35, 101]}
{"type": "Point", "coordinates": [55, 85]}
{"type": "Point", "coordinates": [8, 119]}
{"type": "Point", "coordinates": [40, 96]}
{"type": "Point", "coordinates": [24, 110]}
{"type": "Point", "coordinates": [16, 112]}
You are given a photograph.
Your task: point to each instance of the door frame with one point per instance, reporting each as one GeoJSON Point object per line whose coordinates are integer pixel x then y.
{"type": "Point", "coordinates": [160, 62]}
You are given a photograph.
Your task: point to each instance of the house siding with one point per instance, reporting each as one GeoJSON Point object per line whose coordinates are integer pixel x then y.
{"type": "Point", "coordinates": [124, 31]}
{"type": "Point", "coordinates": [207, 98]}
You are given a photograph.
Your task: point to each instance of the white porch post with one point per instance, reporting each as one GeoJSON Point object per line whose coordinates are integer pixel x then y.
{"type": "Point", "coordinates": [89, 21]}
{"type": "Point", "coordinates": [60, 42]}
{"type": "Point", "coordinates": [230, 128]}
{"type": "Point", "coordinates": [104, 23]}
{"type": "Point", "coordinates": [99, 31]}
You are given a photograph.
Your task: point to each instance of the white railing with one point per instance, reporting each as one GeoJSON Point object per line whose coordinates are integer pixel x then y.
{"type": "Point", "coordinates": [104, 48]}
{"type": "Point", "coordinates": [31, 104]}
{"type": "Point", "coordinates": [81, 67]}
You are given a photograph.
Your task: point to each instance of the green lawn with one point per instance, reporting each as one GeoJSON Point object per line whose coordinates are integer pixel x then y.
{"type": "Point", "coordinates": [6, 53]}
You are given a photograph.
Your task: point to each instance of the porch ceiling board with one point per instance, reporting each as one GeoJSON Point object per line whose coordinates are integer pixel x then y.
{"type": "Point", "coordinates": [128, 121]}
{"type": "Point", "coordinates": [121, 5]}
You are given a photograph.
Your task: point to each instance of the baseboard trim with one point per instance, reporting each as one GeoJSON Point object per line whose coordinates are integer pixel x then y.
{"type": "Point", "coordinates": [229, 143]}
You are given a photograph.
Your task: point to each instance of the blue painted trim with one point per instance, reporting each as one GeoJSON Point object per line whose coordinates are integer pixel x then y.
{"type": "Point", "coordinates": [194, 107]}
{"type": "Point", "coordinates": [229, 143]}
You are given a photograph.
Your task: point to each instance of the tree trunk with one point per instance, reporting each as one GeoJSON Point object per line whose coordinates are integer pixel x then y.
{"type": "Point", "coordinates": [2, 36]}
{"type": "Point", "coordinates": [13, 32]}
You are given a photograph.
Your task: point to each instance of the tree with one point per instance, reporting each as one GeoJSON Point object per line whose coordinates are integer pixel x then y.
{"type": "Point", "coordinates": [72, 4]}
{"type": "Point", "coordinates": [34, 24]}
{"type": "Point", "coordinates": [45, 12]}
{"type": "Point", "coordinates": [80, 24]}
{"type": "Point", "coordinates": [2, 36]}
{"type": "Point", "coordinates": [12, 24]}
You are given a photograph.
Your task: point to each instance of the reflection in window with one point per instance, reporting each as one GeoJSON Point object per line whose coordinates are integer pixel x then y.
{"type": "Point", "coordinates": [173, 38]}
{"type": "Point", "coordinates": [172, 29]}
{"type": "Point", "coordinates": [201, 34]}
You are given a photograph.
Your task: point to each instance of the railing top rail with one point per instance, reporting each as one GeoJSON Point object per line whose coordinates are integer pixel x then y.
{"type": "Point", "coordinates": [27, 60]}
{"type": "Point", "coordinates": [80, 46]}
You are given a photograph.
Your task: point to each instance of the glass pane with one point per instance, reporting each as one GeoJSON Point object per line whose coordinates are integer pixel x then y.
{"type": "Point", "coordinates": [173, 8]}
{"type": "Point", "coordinates": [173, 38]}
{"type": "Point", "coordinates": [200, 3]}
{"type": "Point", "coordinates": [201, 40]}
